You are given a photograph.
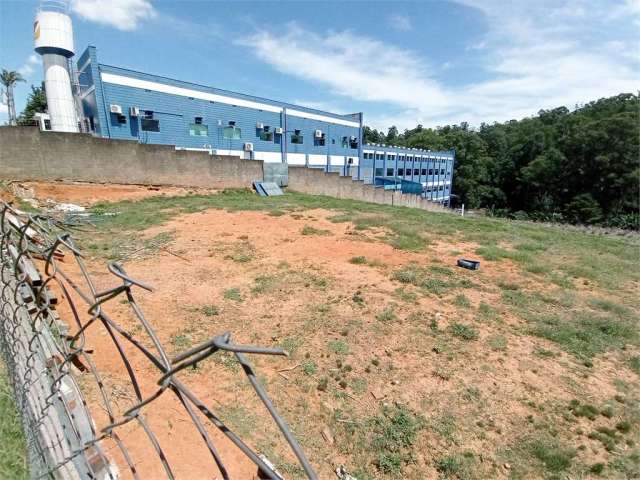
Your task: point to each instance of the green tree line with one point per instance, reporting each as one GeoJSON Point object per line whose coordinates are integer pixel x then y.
{"type": "Point", "coordinates": [580, 166]}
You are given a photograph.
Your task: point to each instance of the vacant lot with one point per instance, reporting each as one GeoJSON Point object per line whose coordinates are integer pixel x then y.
{"type": "Point", "coordinates": [401, 364]}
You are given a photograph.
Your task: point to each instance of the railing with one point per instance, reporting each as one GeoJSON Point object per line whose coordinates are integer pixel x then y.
{"type": "Point", "coordinates": [50, 308]}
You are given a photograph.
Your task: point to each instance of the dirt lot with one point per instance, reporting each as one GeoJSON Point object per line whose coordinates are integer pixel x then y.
{"type": "Point", "coordinates": [401, 364]}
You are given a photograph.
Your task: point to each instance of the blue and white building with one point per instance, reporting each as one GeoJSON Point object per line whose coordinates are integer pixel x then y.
{"type": "Point", "coordinates": [124, 104]}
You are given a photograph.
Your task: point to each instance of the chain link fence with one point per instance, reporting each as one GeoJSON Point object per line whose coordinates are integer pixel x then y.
{"type": "Point", "coordinates": [50, 309]}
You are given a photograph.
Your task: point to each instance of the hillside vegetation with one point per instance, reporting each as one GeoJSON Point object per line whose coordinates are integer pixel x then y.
{"type": "Point", "coordinates": [576, 166]}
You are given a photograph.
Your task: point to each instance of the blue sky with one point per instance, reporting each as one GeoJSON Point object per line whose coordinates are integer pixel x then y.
{"type": "Point", "coordinates": [401, 63]}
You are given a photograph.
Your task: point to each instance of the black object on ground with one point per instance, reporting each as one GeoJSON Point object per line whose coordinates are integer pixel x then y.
{"type": "Point", "coordinates": [470, 264]}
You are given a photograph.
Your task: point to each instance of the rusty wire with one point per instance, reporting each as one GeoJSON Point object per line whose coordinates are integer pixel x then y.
{"type": "Point", "coordinates": [47, 356]}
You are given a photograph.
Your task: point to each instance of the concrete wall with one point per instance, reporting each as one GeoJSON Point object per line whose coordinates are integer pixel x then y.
{"type": "Point", "coordinates": [28, 154]}
{"type": "Point", "coordinates": [318, 182]}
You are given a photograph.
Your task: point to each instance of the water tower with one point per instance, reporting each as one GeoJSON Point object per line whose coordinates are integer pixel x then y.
{"type": "Point", "coordinates": [53, 37]}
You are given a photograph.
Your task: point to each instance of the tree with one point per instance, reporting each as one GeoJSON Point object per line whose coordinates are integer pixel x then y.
{"type": "Point", "coordinates": [9, 78]}
{"type": "Point", "coordinates": [580, 166]}
{"type": "Point", "coordinates": [36, 103]}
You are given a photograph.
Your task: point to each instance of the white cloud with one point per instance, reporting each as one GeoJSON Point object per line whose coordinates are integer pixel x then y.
{"type": "Point", "coordinates": [29, 66]}
{"type": "Point", "coordinates": [534, 55]}
{"type": "Point", "coordinates": [120, 14]}
{"type": "Point", "coordinates": [400, 22]}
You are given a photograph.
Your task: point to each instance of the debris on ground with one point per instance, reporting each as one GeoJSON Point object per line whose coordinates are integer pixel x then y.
{"type": "Point", "coordinates": [261, 474]}
{"type": "Point", "coordinates": [342, 474]}
{"type": "Point", "coordinates": [468, 264]}
{"type": "Point", "coordinates": [267, 189]}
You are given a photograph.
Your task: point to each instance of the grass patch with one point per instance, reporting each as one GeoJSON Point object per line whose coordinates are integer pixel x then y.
{"type": "Point", "coordinates": [210, 310]}
{"type": "Point", "coordinates": [465, 332]}
{"type": "Point", "coordinates": [461, 301]}
{"type": "Point", "coordinates": [436, 280]}
{"type": "Point", "coordinates": [384, 441]}
{"type": "Point", "coordinates": [309, 230]}
{"type": "Point", "coordinates": [13, 458]}
{"type": "Point", "coordinates": [338, 346]}
{"type": "Point", "coordinates": [233, 294]}
{"type": "Point", "coordinates": [497, 343]}
{"type": "Point", "coordinates": [360, 260]}
{"type": "Point", "coordinates": [387, 315]}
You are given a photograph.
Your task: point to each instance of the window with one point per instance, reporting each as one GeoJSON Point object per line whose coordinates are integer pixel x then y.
{"type": "Point", "coordinates": [333, 141]}
{"type": "Point", "coordinates": [231, 132]}
{"type": "Point", "coordinates": [431, 171]}
{"type": "Point", "coordinates": [148, 123]}
{"type": "Point", "coordinates": [345, 142]}
{"type": "Point", "coordinates": [442, 171]}
{"type": "Point", "coordinates": [379, 156]}
{"type": "Point", "coordinates": [378, 172]}
{"type": "Point", "coordinates": [266, 134]}
{"type": "Point", "coordinates": [424, 171]}
{"type": "Point", "coordinates": [416, 171]}
{"type": "Point", "coordinates": [319, 141]}
{"type": "Point", "coordinates": [297, 137]}
{"type": "Point", "coordinates": [441, 188]}
{"type": "Point", "coordinates": [401, 172]}
{"type": "Point", "coordinates": [121, 119]}
{"type": "Point", "coordinates": [197, 128]}
{"type": "Point", "coordinates": [353, 142]}
{"type": "Point", "coordinates": [389, 172]}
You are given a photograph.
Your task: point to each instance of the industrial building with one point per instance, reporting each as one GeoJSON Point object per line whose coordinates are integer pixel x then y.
{"type": "Point", "coordinates": [119, 103]}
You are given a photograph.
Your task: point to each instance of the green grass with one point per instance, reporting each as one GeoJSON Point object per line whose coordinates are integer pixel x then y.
{"type": "Point", "coordinates": [12, 444]}
{"type": "Point", "coordinates": [233, 294]}
{"type": "Point", "coordinates": [338, 346]}
{"type": "Point", "coordinates": [383, 442]}
{"type": "Point", "coordinates": [309, 230]}
{"type": "Point", "coordinates": [465, 332]}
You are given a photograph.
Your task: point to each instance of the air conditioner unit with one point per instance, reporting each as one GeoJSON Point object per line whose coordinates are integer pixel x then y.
{"type": "Point", "coordinates": [259, 125]}
{"type": "Point", "coordinates": [248, 147]}
{"type": "Point", "coordinates": [279, 130]}
{"type": "Point", "coordinates": [115, 109]}
{"type": "Point", "coordinates": [317, 134]}
{"type": "Point", "coordinates": [134, 111]}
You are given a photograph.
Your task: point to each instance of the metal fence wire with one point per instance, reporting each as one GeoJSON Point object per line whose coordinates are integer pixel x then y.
{"type": "Point", "coordinates": [49, 308]}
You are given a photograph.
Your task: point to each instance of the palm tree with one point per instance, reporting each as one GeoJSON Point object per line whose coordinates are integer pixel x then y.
{"type": "Point", "coordinates": [9, 78]}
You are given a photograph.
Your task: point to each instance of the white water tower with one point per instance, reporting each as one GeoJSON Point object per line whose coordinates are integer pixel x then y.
{"type": "Point", "coordinates": [53, 37]}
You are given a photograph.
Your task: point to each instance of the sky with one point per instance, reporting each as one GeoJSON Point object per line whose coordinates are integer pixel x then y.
{"type": "Point", "coordinates": [402, 63]}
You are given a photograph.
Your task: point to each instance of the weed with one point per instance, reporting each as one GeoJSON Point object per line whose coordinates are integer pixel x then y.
{"type": "Point", "coordinates": [210, 310]}
{"type": "Point", "coordinates": [181, 341]}
{"type": "Point", "coordinates": [553, 456]}
{"type": "Point", "coordinates": [406, 295]}
{"type": "Point", "coordinates": [309, 367]}
{"type": "Point", "coordinates": [358, 260]}
{"type": "Point", "coordinates": [462, 301]}
{"type": "Point", "coordinates": [596, 468]}
{"type": "Point", "coordinates": [583, 409]}
{"type": "Point", "coordinates": [497, 342]}
{"type": "Point", "coordinates": [455, 466]}
{"type": "Point", "coordinates": [394, 430]}
{"type": "Point", "coordinates": [323, 383]}
{"type": "Point", "coordinates": [387, 315]}
{"type": "Point", "coordinates": [309, 230]}
{"type": "Point", "coordinates": [543, 352]}
{"type": "Point", "coordinates": [338, 346]}
{"type": "Point", "coordinates": [634, 364]}
{"type": "Point", "coordinates": [358, 298]}
{"type": "Point", "coordinates": [291, 345]}
{"type": "Point", "coordinates": [233, 294]}
{"type": "Point", "coordinates": [623, 426]}
{"type": "Point", "coordinates": [465, 332]}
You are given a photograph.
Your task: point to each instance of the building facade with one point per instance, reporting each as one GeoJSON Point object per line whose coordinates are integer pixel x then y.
{"type": "Point", "coordinates": [124, 104]}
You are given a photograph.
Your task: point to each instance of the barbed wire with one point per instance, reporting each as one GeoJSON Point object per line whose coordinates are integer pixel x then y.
{"type": "Point", "coordinates": [44, 343]}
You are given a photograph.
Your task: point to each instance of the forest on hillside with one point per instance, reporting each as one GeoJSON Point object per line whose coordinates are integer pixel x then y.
{"type": "Point", "coordinates": [580, 166]}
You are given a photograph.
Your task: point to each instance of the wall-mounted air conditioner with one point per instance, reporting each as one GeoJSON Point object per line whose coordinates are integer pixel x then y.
{"type": "Point", "coordinates": [115, 109]}
{"type": "Point", "coordinates": [134, 111]}
{"type": "Point", "coordinates": [317, 134]}
{"type": "Point", "coordinates": [279, 130]}
{"type": "Point", "coordinates": [259, 125]}
{"type": "Point", "coordinates": [248, 147]}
